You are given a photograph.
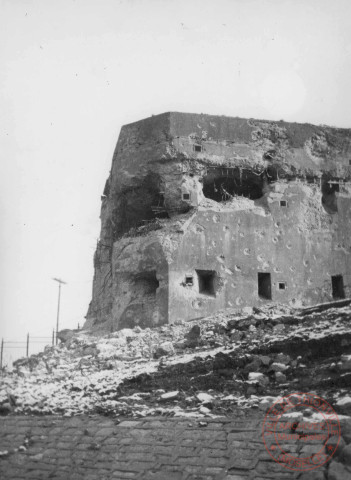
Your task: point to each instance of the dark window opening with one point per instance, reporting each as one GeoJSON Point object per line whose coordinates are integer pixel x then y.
{"type": "Point", "coordinates": [189, 280]}
{"type": "Point", "coordinates": [283, 203]}
{"type": "Point", "coordinates": [222, 184]}
{"type": "Point", "coordinates": [264, 285]}
{"type": "Point", "coordinates": [349, 162]}
{"type": "Point", "coordinates": [198, 148]}
{"type": "Point", "coordinates": [338, 287]}
{"type": "Point", "coordinates": [282, 286]}
{"type": "Point", "coordinates": [186, 196]}
{"type": "Point", "coordinates": [206, 279]}
{"type": "Point", "coordinates": [329, 199]}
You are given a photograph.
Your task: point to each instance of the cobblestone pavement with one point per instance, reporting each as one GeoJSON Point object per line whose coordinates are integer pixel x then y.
{"type": "Point", "coordinates": [94, 447]}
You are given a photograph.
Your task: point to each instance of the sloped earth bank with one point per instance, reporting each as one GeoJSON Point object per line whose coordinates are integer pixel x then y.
{"type": "Point", "coordinates": [230, 364]}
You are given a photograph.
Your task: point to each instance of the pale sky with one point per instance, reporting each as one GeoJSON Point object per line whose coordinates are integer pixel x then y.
{"type": "Point", "coordinates": [74, 71]}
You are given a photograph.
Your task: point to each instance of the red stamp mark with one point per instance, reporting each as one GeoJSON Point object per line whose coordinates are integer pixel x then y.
{"type": "Point", "coordinates": [301, 431]}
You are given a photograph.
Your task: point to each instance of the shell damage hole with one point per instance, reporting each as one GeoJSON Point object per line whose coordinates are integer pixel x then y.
{"type": "Point", "coordinates": [146, 284]}
{"type": "Point", "coordinates": [137, 205]}
{"type": "Point", "coordinates": [222, 184]}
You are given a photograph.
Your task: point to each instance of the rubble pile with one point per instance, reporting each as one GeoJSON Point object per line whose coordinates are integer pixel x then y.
{"type": "Point", "coordinates": [229, 362]}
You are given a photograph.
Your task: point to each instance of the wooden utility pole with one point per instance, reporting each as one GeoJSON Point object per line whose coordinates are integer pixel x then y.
{"type": "Point", "coordinates": [60, 282]}
{"type": "Point", "coordinates": [27, 349]}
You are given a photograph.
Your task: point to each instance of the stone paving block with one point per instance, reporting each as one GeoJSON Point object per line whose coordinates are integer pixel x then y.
{"type": "Point", "coordinates": [243, 436]}
{"type": "Point", "coordinates": [236, 477]}
{"type": "Point", "coordinates": [129, 424]}
{"type": "Point", "coordinates": [194, 469]}
{"type": "Point", "coordinates": [200, 477]}
{"type": "Point", "coordinates": [203, 435]}
{"type": "Point", "coordinates": [213, 452]}
{"type": "Point", "coordinates": [163, 476]}
{"type": "Point", "coordinates": [86, 448]}
{"type": "Point", "coordinates": [243, 463]}
{"type": "Point", "coordinates": [106, 432]}
{"type": "Point", "coordinates": [215, 461]}
{"type": "Point", "coordinates": [214, 470]}
{"type": "Point", "coordinates": [219, 444]}
{"type": "Point", "coordinates": [120, 475]}
{"type": "Point", "coordinates": [130, 456]}
{"type": "Point", "coordinates": [193, 460]}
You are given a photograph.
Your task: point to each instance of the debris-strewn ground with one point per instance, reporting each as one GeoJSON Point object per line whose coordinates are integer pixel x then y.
{"type": "Point", "coordinates": [204, 368]}
{"type": "Point", "coordinates": [233, 365]}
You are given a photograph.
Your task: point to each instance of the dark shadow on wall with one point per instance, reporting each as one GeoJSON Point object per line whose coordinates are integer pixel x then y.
{"type": "Point", "coordinates": [329, 198]}
{"type": "Point", "coordinates": [138, 204]}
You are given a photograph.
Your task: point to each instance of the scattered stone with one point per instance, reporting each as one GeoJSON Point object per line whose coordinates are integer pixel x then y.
{"type": "Point", "coordinates": [344, 405]}
{"type": "Point", "coordinates": [266, 403]}
{"type": "Point", "coordinates": [279, 328]}
{"type": "Point", "coordinates": [37, 457]}
{"type": "Point", "coordinates": [251, 390]}
{"type": "Point", "coordinates": [260, 378]}
{"type": "Point", "coordinates": [338, 471]}
{"type": "Point", "coordinates": [278, 367]}
{"type": "Point", "coordinates": [193, 336]}
{"type": "Point", "coordinates": [265, 360]}
{"type": "Point", "coordinates": [204, 410]}
{"type": "Point", "coordinates": [336, 441]}
{"type": "Point", "coordinates": [317, 474]}
{"type": "Point", "coordinates": [346, 454]}
{"type": "Point", "coordinates": [282, 358]}
{"type": "Point", "coordinates": [169, 396]}
{"type": "Point", "coordinates": [165, 348]}
{"type": "Point", "coordinates": [280, 377]}
{"type": "Point", "coordinates": [94, 446]}
{"type": "Point", "coordinates": [204, 398]}
{"type": "Point", "coordinates": [5, 408]}
{"type": "Point", "coordinates": [253, 366]}
{"type": "Point", "coordinates": [65, 335]}
{"type": "Point", "coordinates": [345, 364]}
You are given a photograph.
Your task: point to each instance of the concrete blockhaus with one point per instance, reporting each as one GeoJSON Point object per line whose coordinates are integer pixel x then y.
{"type": "Point", "coordinates": [204, 212]}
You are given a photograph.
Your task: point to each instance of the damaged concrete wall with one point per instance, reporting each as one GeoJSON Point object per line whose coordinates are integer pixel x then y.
{"type": "Point", "coordinates": [207, 212]}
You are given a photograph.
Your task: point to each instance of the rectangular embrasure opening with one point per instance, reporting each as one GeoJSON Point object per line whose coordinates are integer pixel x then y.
{"type": "Point", "coordinates": [338, 286]}
{"type": "Point", "coordinates": [264, 285]}
{"type": "Point", "coordinates": [206, 280]}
